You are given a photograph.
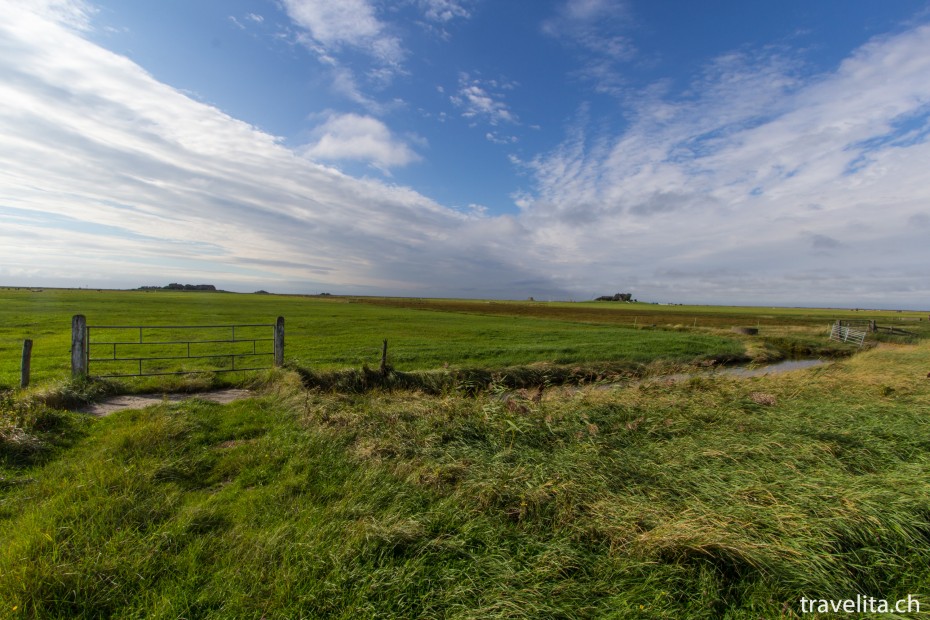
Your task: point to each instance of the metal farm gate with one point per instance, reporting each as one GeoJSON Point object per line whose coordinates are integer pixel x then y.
{"type": "Point", "coordinates": [152, 350]}
{"type": "Point", "coordinates": [843, 333]}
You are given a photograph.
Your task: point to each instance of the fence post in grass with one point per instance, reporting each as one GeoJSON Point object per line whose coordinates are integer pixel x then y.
{"type": "Point", "coordinates": [384, 359]}
{"type": "Point", "coordinates": [27, 363]}
{"type": "Point", "coordinates": [279, 342]}
{"type": "Point", "coordinates": [78, 346]}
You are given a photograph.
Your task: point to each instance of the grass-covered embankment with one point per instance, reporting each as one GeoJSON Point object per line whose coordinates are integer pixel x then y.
{"type": "Point", "coordinates": [702, 499]}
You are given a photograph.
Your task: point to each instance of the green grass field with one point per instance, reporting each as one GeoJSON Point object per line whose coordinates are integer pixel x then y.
{"type": "Point", "coordinates": [333, 333]}
{"type": "Point", "coordinates": [709, 497]}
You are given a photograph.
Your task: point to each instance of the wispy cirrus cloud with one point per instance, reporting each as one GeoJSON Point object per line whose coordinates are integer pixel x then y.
{"type": "Point", "coordinates": [759, 184]}
{"type": "Point", "coordinates": [76, 14]}
{"type": "Point", "coordinates": [334, 29]}
{"type": "Point", "coordinates": [109, 177]}
{"type": "Point", "coordinates": [329, 28]}
{"type": "Point", "coordinates": [596, 29]}
{"type": "Point", "coordinates": [749, 176]}
{"type": "Point", "coordinates": [251, 18]}
{"type": "Point", "coordinates": [593, 25]}
{"type": "Point", "coordinates": [331, 25]}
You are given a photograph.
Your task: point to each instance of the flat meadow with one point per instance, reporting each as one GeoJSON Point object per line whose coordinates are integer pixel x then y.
{"type": "Point", "coordinates": [337, 332]}
{"type": "Point", "coordinates": [328, 333]}
{"type": "Point", "coordinates": [577, 480]}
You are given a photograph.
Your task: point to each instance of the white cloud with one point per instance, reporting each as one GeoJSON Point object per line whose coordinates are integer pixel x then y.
{"type": "Point", "coordinates": [334, 24]}
{"type": "Point", "coordinates": [496, 138]}
{"type": "Point", "coordinates": [108, 176]}
{"type": "Point", "coordinates": [75, 14]}
{"type": "Point", "coordinates": [478, 102]}
{"type": "Point", "coordinates": [345, 84]}
{"type": "Point", "coordinates": [723, 180]}
{"type": "Point", "coordinates": [361, 138]}
{"type": "Point", "coordinates": [332, 28]}
{"type": "Point", "coordinates": [444, 10]}
{"type": "Point", "coordinates": [759, 185]}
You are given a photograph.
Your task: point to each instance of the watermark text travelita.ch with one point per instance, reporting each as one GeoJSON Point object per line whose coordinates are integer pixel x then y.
{"type": "Point", "coordinates": [860, 605]}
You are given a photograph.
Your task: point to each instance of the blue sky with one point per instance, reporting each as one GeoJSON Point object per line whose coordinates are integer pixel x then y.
{"type": "Point", "coordinates": [707, 152]}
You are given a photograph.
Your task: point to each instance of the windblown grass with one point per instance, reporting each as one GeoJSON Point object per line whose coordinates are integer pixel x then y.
{"type": "Point", "coordinates": [705, 498]}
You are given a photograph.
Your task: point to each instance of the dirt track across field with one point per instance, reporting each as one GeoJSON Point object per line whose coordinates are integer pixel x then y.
{"type": "Point", "coordinates": [140, 401]}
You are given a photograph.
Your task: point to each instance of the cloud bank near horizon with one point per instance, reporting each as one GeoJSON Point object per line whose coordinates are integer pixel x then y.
{"type": "Point", "coordinates": [758, 184]}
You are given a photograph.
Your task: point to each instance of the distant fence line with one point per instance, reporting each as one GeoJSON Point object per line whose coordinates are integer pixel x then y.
{"type": "Point", "coordinates": [154, 350]}
{"type": "Point", "coordinates": [872, 326]}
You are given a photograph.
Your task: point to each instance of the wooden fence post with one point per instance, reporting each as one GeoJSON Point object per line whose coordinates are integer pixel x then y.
{"type": "Point", "coordinates": [384, 359]}
{"type": "Point", "coordinates": [279, 342]}
{"type": "Point", "coordinates": [78, 346]}
{"type": "Point", "coordinates": [27, 363]}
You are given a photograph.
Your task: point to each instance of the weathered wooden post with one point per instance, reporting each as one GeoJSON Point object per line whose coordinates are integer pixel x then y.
{"type": "Point", "coordinates": [279, 342]}
{"type": "Point", "coordinates": [384, 359]}
{"type": "Point", "coordinates": [78, 346]}
{"type": "Point", "coordinates": [27, 363]}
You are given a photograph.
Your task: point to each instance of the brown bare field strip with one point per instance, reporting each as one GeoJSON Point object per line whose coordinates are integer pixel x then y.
{"type": "Point", "coordinates": [643, 314]}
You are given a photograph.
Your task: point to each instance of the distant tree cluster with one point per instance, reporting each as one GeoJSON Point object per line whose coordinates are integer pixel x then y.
{"type": "Point", "coordinates": [616, 297]}
{"type": "Point", "coordinates": [174, 286]}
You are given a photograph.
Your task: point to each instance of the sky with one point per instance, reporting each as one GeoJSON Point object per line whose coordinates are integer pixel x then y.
{"type": "Point", "coordinates": [724, 152]}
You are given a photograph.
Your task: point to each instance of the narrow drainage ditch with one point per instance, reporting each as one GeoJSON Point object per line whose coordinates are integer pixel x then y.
{"type": "Point", "coordinates": [745, 371]}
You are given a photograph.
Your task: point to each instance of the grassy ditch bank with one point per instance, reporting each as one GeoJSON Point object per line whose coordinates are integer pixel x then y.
{"type": "Point", "coordinates": [714, 497]}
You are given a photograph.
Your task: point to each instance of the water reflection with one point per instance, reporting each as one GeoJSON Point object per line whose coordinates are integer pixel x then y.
{"type": "Point", "coordinates": [770, 369]}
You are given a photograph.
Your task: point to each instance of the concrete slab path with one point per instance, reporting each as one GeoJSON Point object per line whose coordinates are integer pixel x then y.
{"type": "Point", "coordinates": [140, 401]}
